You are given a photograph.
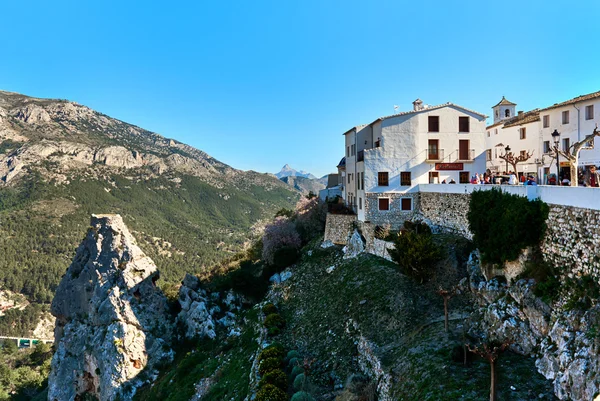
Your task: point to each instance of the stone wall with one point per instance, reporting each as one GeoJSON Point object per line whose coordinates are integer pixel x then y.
{"type": "Point", "coordinates": [572, 240]}
{"type": "Point", "coordinates": [446, 212]}
{"type": "Point", "coordinates": [338, 227]}
{"type": "Point", "coordinates": [395, 217]}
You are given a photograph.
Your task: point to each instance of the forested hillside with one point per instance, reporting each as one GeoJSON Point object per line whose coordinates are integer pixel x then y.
{"type": "Point", "coordinates": [61, 162]}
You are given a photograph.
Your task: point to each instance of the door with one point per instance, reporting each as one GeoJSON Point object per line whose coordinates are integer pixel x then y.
{"type": "Point", "coordinates": [433, 150]}
{"type": "Point", "coordinates": [463, 149]}
{"type": "Point", "coordinates": [434, 177]}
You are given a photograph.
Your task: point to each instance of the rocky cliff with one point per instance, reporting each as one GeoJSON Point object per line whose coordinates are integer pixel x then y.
{"type": "Point", "coordinates": [112, 321]}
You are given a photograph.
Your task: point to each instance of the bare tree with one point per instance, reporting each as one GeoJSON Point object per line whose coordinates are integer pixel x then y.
{"type": "Point", "coordinates": [490, 351]}
{"type": "Point", "coordinates": [446, 295]}
{"type": "Point", "coordinates": [513, 160]}
{"type": "Point", "coordinates": [573, 156]}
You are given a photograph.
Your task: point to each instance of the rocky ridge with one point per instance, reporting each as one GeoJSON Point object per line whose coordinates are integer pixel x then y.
{"type": "Point", "coordinates": [112, 321]}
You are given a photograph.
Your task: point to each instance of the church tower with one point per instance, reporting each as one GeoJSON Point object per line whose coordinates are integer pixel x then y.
{"type": "Point", "coordinates": [504, 110]}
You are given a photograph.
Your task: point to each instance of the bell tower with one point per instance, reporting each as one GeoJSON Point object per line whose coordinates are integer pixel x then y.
{"type": "Point", "coordinates": [504, 110]}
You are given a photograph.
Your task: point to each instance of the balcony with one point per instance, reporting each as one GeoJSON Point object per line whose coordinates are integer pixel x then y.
{"type": "Point", "coordinates": [434, 155]}
{"type": "Point", "coordinates": [465, 155]}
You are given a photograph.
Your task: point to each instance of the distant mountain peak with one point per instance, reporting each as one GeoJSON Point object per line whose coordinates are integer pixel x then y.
{"type": "Point", "coordinates": [288, 171]}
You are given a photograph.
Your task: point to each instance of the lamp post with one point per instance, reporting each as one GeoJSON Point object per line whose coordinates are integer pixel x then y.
{"type": "Point", "coordinates": [556, 137]}
{"type": "Point", "coordinates": [506, 150]}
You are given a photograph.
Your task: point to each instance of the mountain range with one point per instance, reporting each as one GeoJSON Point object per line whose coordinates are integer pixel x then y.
{"type": "Point", "coordinates": [288, 171]}
{"type": "Point", "coordinates": [61, 161]}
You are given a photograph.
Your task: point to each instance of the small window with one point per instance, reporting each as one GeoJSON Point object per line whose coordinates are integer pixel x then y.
{"type": "Point", "coordinates": [546, 121]}
{"type": "Point", "coordinates": [507, 113]}
{"type": "Point", "coordinates": [406, 204]}
{"type": "Point", "coordinates": [362, 181]}
{"type": "Point", "coordinates": [434, 123]}
{"type": "Point", "coordinates": [360, 203]}
{"type": "Point", "coordinates": [589, 112]}
{"type": "Point", "coordinates": [405, 178]}
{"type": "Point", "coordinates": [348, 178]}
{"type": "Point", "coordinates": [523, 154]}
{"type": "Point", "coordinates": [488, 134]}
{"type": "Point", "coordinates": [384, 204]}
{"type": "Point", "coordinates": [522, 133]}
{"type": "Point", "coordinates": [565, 117]}
{"type": "Point", "coordinates": [463, 177]}
{"type": "Point", "coordinates": [546, 147]}
{"type": "Point", "coordinates": [488, 155]}
{"type": "Point", "coordinates": [463, 124]}
{"type": "Point", "coordinates": [382, 179]}
{"type": "Point", "coordinates": [496, 131]}
{"type": "Point", "coordinates": [348, 152]}
{"type": "Point", "coordinates": [566, 144]}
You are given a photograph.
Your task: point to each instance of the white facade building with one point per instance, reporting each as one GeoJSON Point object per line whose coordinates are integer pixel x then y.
{"type": "Point", "coordinates": [388, 157]}
{"type": "Point", "coordinates": [573, 119]}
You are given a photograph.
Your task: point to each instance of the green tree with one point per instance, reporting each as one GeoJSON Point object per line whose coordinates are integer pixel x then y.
{"type": "Point", "coordinates": [415, 251]}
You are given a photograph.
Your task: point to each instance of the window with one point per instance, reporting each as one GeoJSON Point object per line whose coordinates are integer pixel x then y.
{"type": "Point", "coordinates": [360, 203]}
{"type": "Point", "coordinates": [566, 144]}
{"type": "Point", "coordinates": [507, 113]}
{"type": "Point", "coordinates": [384, 204]}
{"type": "Point", "coordinates": [522, 133]}
{"type": "Point", "coordinates": [405, 178]}
{"type": "Point", "coordinates": [377, 143]}
{"type": "Point", "coordinates": [433, 151]}
{"type": "Point", "coordinates": [495, 153]}
{"type": "Point", "coordinates": [546, 147]}
{"type": "Point", "coordinates": [589, 112]}
{"type": "Point", "coordinates": [348, 178]}
{"type": "Point", "coordinates": [546, 121]}
{"type": "Point", "coordinates": [565, 117]}
{"type": "Point", "coordinates": [488, 155]}
{"type": "Point", "coordinates": [362, 181]}
{"type": "Point", "coordinates": [463, 177]}
{"type": "Point", "coordinates": [463, 149]}
{"type": "Point", "coordinates": [353, 150]}
{"type": "Point", "coordinates": [406, 203]}
{"type": "Point", "coordinates": [382, 179]}
{"type": "Point", "coordinates": [523, 154]}
{"type": "Point", "coordinates": [348, 152]}
{"type": "Point", "coordinates": [496, 131]}
{"type": "Point", "coordinates": [434, 123]}
{"type": "Point", "coordinates": [463, 124]}
{"type": "Point", "coordinates": [488, 134]}
{"type": "Point", "coordinates": [434, 177]}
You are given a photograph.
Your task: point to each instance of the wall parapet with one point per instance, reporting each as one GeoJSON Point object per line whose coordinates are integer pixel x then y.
{"type": "Point", "coordinates": [338, 227]}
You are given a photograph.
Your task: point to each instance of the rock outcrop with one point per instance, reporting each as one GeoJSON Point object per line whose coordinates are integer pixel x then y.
{"type": "Point", "coordinates": [112, 321]}
{"type": "Point", "coordinates": [564, 342]}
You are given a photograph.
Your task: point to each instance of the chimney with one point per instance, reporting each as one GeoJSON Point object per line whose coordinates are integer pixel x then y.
{"type": "Point", "coordinates": [520, 114]}
{"type": "Point", "coordinates": [418, 105]}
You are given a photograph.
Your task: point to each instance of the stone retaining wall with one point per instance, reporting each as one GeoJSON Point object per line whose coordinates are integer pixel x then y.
{"type": "Point", "coordinates": [446, 212]}
{"type": "Point", "coordinates": [395, 217]}
{"type": "Point", "coordinates": [338, 227]}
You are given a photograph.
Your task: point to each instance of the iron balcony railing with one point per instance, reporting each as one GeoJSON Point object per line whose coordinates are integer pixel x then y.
{"type": "Point", "coordinates": [435, 154]}
{"type": "Point", "coordinates": [465, 156]}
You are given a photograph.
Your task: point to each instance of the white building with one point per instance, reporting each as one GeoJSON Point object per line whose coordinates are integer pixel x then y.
{"type": "Point", "coordinates": [573, 119]}
{"type": "Point", "coordinates": [388, 157]}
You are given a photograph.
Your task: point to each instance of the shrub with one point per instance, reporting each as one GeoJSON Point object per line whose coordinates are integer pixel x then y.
{"type": "Point", "coordinates": [274, 320]}
{"type": "Point", "coordinates": [302, 396]}
{"type": "Point", "coordinates": [382, 232]}
{"type": "Point", "coordinates": [311, 214]}
{"type": "Point", "coordinates": [285, 256]}
{"type": "Point", "coordinates": [271, 393]}
{"type": "Point", "coordinates": [275, 377]}
{"type": "Point", "coordinates": [275, 351]}
{"type": "Point", "coordinates": [268, 365]}
{"type": "Point", "coordinates": [504, 224]}
{"type": "Point", "coordinates": [273, 331]}
{"type": "Point", "coordinates": [292, 354]}
{"type": "Point", "coordinates": [415, 251]}
{"type": "Point", "coordinates": [296, 370]}
{"type": "Point", "coordinates": [269, 309]}
{"type": "Point", "coordinates": [281, 233]}
{"type": "Point", "coordinates": [293, 362]}
{"type": "Point", "coordinates": [299, 382]}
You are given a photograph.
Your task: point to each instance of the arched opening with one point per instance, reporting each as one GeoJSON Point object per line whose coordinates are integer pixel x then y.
{"type": "Point", "coordinates": [507, 113]}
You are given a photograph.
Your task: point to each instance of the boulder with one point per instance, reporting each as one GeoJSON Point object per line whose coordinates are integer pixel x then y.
{"type": "Point", "coordinates": [355, 246]}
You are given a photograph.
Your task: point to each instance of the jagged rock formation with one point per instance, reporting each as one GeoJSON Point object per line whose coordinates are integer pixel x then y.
{"type": "Point", "coordinates": [562, 341]}
{"type": "Point", "coordinates": [288, 171]}
{"type": "Point", "coordinates": [355, 246]}
{"type": "Point", "coordinates": [303, 184]}
{"type": "Point", "coordinates": [112, 321]}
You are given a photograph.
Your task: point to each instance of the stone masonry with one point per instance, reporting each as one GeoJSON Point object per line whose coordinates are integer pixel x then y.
{"type": "Point", "coordinates": [338, 227]}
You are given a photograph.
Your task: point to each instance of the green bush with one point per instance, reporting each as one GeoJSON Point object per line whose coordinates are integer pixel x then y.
{"type": "Point", "coordinates": [293, 362]}
{"type": "Point", "coordinates": [285, 256]}
{"type": "Point", "coordinates": [275, 377]}
{"type": "Point", "coordinates": [299, 382]}
{"type": "Point", "coordinates": [269, 309]}
{"type": "Point", "coordinates": [504, 224]}
{"type": "Point", "coordinates": [268, 365]}
{"type": "Point", "coordinates": [292, 354]}
{"type": "Point", "coordinates": [415, 251]}
{"type": "Point", "coordinates": [302, 396]}
{"type": "Point", "coordinates": [271, 393]}
{"type": "Point", "coordinates": [274, 320]}
{"type": "Point", "coordinates": [296, 370]}
{"type": "Point", "coordinates": [275, 351]}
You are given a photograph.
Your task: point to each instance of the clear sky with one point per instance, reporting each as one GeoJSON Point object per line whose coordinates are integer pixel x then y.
{"type": "Point", "coordinates": [258, 84]}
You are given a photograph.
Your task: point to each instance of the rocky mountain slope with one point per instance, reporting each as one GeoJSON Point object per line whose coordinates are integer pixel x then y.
{"type": "Point", "coordinates": [303, 184]}
{"type": "Point", "coordinates": [60, 162]}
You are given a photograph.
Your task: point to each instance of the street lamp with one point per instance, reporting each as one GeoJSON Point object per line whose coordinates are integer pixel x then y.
{"type": "Point", "coordinates": [556, 137]}
{"type": "Point", "coordinates": [506, 150]}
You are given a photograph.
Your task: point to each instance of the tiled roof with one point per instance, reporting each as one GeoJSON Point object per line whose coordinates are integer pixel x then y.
{"type": "Point", "coordinates": [505, 102]}
{"type": "Point", "coordinates": [358, 127]}
{"type": "Point", "coordinates": [525, 118]}
{"type": "Point", "coordinates": [577, 99]}
{"type": "Point", "coordinates": [429, 109]}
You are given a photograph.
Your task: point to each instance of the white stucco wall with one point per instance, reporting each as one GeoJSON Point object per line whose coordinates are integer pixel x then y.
{"type": "Point", "coordinates": [511, 136]}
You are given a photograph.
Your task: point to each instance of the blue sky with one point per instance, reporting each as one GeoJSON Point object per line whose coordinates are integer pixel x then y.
{"type": "Point", "coordinates": [263, 83]}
